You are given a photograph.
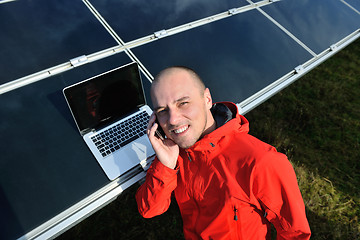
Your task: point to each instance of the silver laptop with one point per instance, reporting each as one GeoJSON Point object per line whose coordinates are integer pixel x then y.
{"type": "Point", "coordinates": [111, 114]}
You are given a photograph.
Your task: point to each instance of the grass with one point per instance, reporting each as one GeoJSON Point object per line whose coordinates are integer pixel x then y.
{"type": "Point", "coordinates": [316, 122]}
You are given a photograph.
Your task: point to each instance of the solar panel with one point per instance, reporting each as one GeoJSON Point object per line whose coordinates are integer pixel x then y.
{"type": "Point", "coordinates": [316, 24]}
{"type": "Point", "coordinates": [234, 56]}
{"type": "Point", "coordinates": [243, 50]}
{"type": "Point", "coordinates": [135, 19]}
{"type": "Point", "coordinates": [353, 4]}
{"type": "Point", "coordinates": [41, 34]}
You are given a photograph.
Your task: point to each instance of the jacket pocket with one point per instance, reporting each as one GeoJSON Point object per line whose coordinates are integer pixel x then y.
{"type": "Point", "coordinates": [248, 221]}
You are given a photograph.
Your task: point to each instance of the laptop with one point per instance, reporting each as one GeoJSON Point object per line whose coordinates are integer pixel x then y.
{"type": "Point", "coordinates": [111, 114]}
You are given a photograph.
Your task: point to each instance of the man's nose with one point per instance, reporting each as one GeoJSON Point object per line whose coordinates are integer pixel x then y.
{"type": "Point", "coordinates": [174, 117]}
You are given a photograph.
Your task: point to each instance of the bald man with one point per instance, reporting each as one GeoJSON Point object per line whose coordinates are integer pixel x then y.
{"type": "Point", "coordinates": [228, 184]}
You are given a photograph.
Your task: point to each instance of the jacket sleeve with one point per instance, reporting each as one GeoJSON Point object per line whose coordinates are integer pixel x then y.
{"type": "Point", "coordinates": [154, 196]}
{"type": "Point", "coordinates": [277, 190]}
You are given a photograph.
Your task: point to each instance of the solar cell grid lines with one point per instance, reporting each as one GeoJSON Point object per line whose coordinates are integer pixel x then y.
{"type": "Point", "coordinates": [245, 51]}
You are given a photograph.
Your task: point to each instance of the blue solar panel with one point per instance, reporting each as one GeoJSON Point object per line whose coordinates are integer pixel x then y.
{"type": "Point", "coordinates": [354, 3]}
{"type": "Point", "coordinates": [234, 56]}
{"type": "Point", "coordinates": [43, 33]}
{"type": "Point", "coordinates": [316, 24]}
{"type": "Point", "coordinates": [135, 19]}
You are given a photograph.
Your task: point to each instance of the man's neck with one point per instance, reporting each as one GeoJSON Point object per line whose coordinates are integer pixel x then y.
{"type": "Point", "coordinates": [210, 126]}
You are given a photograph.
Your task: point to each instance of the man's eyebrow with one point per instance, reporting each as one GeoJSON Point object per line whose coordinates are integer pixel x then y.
{"type": "Point", "coordinates": [176, 101]}
{"type": "Point", "coordinates": [157, 109]}
{"type": "Point", "coordinates": [182, 99]}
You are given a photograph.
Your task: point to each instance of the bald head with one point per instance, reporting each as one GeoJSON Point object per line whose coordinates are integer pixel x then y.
{"type": "Point", "coordinates": [165, 75]}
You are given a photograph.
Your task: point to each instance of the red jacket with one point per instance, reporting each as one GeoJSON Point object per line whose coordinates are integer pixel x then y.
{"type": "Point", "coordinates": [229, 185]}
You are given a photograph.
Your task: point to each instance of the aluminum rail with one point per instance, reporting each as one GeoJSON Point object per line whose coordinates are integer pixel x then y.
{"type": "Point", "coordinates": [267, 92]}
{"type": "Point", "coordinates": [38, 76]}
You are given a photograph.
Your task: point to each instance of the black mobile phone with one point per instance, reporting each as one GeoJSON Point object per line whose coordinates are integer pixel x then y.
{"type": "Point", "coordinates": [159, 131]}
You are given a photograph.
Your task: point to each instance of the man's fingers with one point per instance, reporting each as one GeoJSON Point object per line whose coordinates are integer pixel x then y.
{"type": "Point", "coordinates": [152, 130]}
{"type": "Point", "coordinates": [151, 123]}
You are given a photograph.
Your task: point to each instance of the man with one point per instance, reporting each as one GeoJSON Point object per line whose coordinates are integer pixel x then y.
{"type": "Point", "coordinates": [228, 184]}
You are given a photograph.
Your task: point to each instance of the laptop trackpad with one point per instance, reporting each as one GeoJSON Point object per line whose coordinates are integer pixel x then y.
{"type": "Point", "coordinates": [127, 158]}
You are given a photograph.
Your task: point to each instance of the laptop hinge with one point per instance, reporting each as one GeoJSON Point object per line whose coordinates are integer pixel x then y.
{"type": "Point", "coordinates": [86, 131]}
{"type": "Point", "coordinates": [142, 108]}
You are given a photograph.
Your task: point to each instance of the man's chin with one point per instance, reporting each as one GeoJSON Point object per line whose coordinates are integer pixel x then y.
{"type": "Point", "coordinates": [185, 144]}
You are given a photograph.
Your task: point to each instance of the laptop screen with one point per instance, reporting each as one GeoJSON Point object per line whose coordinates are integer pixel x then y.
{"type": "Point", "coordinates": [105, 98]}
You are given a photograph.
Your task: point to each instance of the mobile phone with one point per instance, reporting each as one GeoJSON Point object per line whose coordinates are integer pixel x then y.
{"type": "Point", "coordinates": [159, 131]}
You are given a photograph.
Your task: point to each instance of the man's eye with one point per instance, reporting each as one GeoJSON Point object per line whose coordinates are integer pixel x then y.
{"type": "Point", "coordinates": [183, 103]}
{"type": "Point", "coordinates": [161, 111]}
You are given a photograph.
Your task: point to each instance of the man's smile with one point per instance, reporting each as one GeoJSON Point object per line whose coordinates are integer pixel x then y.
{"type": "Point", "coordinates": [180, 129]}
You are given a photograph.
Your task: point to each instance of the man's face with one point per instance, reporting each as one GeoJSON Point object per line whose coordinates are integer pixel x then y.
{"type": "Point", "coordinates": [182, 109]}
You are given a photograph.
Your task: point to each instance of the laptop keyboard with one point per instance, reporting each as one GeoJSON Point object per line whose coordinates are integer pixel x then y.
{"type": "Point", "coordinates": [121, 134]}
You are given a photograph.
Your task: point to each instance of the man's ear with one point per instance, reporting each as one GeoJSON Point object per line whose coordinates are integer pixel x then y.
{"type": "Point", "coordinates": [207, 97]}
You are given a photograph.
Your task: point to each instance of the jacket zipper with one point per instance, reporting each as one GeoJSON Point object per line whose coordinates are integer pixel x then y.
{"type": "Point", "coordinates": [235, 214]}
{"type": "Point", "coordinates": [188, 155]}
{"type": "Point", "coordinates": [192, 183]}
{"type": "Point", "coordinates": [236, 223]}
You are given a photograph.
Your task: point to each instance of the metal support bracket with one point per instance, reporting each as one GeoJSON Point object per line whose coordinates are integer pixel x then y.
{"type": "Point", "coordinates": [333, 47]}
{"type": "Point", "coordinates": [299, 69]}
{"type": "Point", "coordinates": [232, 11]}
{"type": "Point", "coordinates": [160, 34]}
{"type": "Point", "coordinates": [75, 62]}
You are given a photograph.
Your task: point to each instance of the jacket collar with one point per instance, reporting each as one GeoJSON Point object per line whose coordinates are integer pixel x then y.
{"type": "Point", "coordinates": [228, 121]}
{"type": "Point", "coordinates": [222, 114]}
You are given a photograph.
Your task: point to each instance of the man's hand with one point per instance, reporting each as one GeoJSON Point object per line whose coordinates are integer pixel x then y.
{"type": "Point", "coordinates": [166, 150]}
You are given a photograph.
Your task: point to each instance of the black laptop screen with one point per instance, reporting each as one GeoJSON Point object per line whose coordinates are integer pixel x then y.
{"type": "Point", "coordinates": [106, 97]}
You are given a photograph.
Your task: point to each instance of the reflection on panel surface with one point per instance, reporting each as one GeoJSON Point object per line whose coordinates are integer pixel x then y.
{"type": "Point", "coordinates": [314, 22]}
{"type": "Point", "coordinates": [40, 34]}
{"type": "Point", "coordinates": [45, 166]}
{"type": "Point", "coordinates": [135, 19]}
{"type": "Point", "coordinates": [236, 57]}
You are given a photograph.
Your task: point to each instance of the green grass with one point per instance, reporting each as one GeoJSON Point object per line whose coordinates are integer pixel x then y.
{"type": "Point", "coordinates": [316, 122]}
